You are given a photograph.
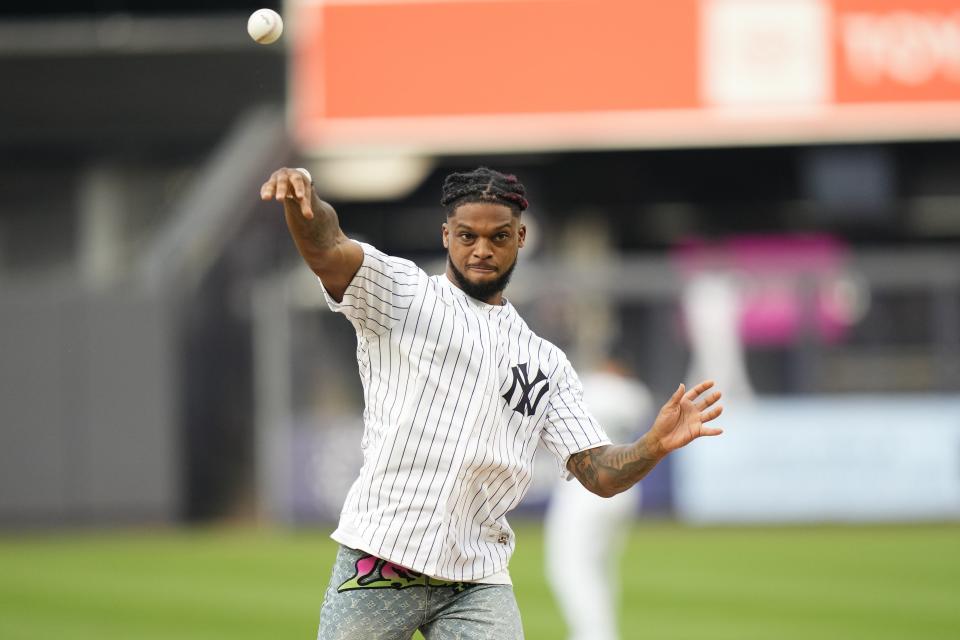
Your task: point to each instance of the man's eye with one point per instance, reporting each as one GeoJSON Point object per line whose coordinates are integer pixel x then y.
{"type": "Point", "coordinates": [502, 236]}
{"type": "Point", "coordinates": [466, 236]}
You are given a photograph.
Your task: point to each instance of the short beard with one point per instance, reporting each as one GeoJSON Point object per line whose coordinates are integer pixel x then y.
{"type": "Point", "coordinates": [485, 291]}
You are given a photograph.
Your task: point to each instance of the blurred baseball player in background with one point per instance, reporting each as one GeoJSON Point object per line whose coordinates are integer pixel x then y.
{"type": "Point", "coordinates": [584, 533]}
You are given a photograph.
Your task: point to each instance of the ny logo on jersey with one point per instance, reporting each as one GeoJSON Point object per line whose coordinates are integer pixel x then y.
{"type": "Point", "coordinates": [522, 380]}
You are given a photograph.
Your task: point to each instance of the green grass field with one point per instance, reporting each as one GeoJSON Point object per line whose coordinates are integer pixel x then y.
{"type": "Point", "coordinates": [679, 583]}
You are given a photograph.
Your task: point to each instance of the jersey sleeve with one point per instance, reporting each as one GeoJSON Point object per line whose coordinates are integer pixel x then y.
{"type": "Point", "coordinates": [570, 427]}
{"type": "Point", "coordinates": [380, 293]}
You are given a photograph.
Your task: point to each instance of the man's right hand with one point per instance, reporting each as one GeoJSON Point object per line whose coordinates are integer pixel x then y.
{"type": "Point", "coordinates": [289, 184]}
{"type": "Point", "coordinates": [315, 229]}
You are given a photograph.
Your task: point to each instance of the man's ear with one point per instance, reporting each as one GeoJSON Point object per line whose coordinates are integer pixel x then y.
{"type": "Point", "coordinates": [445, 234]}
{"type": "Point", "coordinates": [522, 235]}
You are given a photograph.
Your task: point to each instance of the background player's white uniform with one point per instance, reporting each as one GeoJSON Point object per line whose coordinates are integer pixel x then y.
{"type": "Point", "coordinates": [584, 532]}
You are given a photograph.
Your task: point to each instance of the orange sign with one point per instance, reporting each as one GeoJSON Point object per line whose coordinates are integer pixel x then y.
{"type": "Point", "coordinates": [455, 58]}
{"type": "Point", "coordinates": [897, 50]}
{"type": "Point", "coordinates": [460, 75]}
{"type": "Point", "coordinates": [489, 58]}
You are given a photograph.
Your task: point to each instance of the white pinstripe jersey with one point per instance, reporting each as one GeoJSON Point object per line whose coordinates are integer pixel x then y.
{"type": "Point", "coordinates": [458, 394]}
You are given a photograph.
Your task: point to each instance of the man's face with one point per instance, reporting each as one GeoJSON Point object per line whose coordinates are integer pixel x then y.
{"type": "Point", "coordinates": [482, 240]}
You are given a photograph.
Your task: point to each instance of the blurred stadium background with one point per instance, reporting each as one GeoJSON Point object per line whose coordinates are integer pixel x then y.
{"type": "Point", "coordinates": [764, 190]}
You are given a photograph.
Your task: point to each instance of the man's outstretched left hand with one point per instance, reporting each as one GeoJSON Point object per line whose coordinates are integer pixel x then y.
{"type": "Point", "coordinates": [683, 418]}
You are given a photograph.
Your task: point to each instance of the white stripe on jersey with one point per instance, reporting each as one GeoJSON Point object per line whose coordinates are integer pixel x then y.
{"type": "Point", "coordinates": [458, 393]}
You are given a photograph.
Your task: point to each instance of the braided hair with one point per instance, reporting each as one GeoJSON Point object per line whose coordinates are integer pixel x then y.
{"type": "Point", "coordinates": [483, 185]}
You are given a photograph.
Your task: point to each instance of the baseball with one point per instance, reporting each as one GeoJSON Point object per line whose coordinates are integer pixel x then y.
{"type": "Point", "coordinates": [265, 26]}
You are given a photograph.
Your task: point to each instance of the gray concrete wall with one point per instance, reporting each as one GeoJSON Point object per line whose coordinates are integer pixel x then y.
{"type": "Point", "coordinates": [88, 407]}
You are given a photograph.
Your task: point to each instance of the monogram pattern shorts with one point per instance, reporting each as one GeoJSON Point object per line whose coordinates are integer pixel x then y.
{"type": "Point", "coordinates": [372, 599]}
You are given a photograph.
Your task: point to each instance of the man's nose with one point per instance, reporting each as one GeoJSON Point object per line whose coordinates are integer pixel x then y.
{"type": "Point", "coordinates": [482, 249]}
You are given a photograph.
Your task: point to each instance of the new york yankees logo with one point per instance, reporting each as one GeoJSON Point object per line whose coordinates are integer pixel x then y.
{"type": "Point", "coordinates": [520, 379]}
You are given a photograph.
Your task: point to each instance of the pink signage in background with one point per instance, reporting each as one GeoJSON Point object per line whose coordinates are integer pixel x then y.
{"type": "Point", "coordinates": [788, 287]}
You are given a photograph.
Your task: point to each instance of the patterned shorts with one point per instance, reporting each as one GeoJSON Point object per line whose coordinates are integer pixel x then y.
{"type": "Point", "coordinates": [372, 599]}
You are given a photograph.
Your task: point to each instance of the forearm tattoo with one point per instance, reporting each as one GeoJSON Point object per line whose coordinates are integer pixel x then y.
{"type": "Point", "coordinates": [611, 469]}
{"type": "Point", "coordinates": [324, 229]}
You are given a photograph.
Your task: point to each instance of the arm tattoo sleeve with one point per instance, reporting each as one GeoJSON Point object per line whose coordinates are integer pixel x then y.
{"type": "Point", "coordinates": [612, 469]}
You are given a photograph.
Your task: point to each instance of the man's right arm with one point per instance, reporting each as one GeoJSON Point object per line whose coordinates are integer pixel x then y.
{"type": "Point", "coordinates": [315, 229]}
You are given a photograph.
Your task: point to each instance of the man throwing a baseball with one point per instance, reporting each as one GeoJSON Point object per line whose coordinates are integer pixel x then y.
{"type": "Point", "coordinates": [458, 394]}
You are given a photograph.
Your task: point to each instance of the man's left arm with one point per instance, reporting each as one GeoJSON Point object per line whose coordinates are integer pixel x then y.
{"type": "Point", "coordinates": [612, 469]}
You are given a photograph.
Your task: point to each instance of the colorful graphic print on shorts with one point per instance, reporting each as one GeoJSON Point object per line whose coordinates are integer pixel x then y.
{"type": "Point", "coordinates": [375, 573]}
